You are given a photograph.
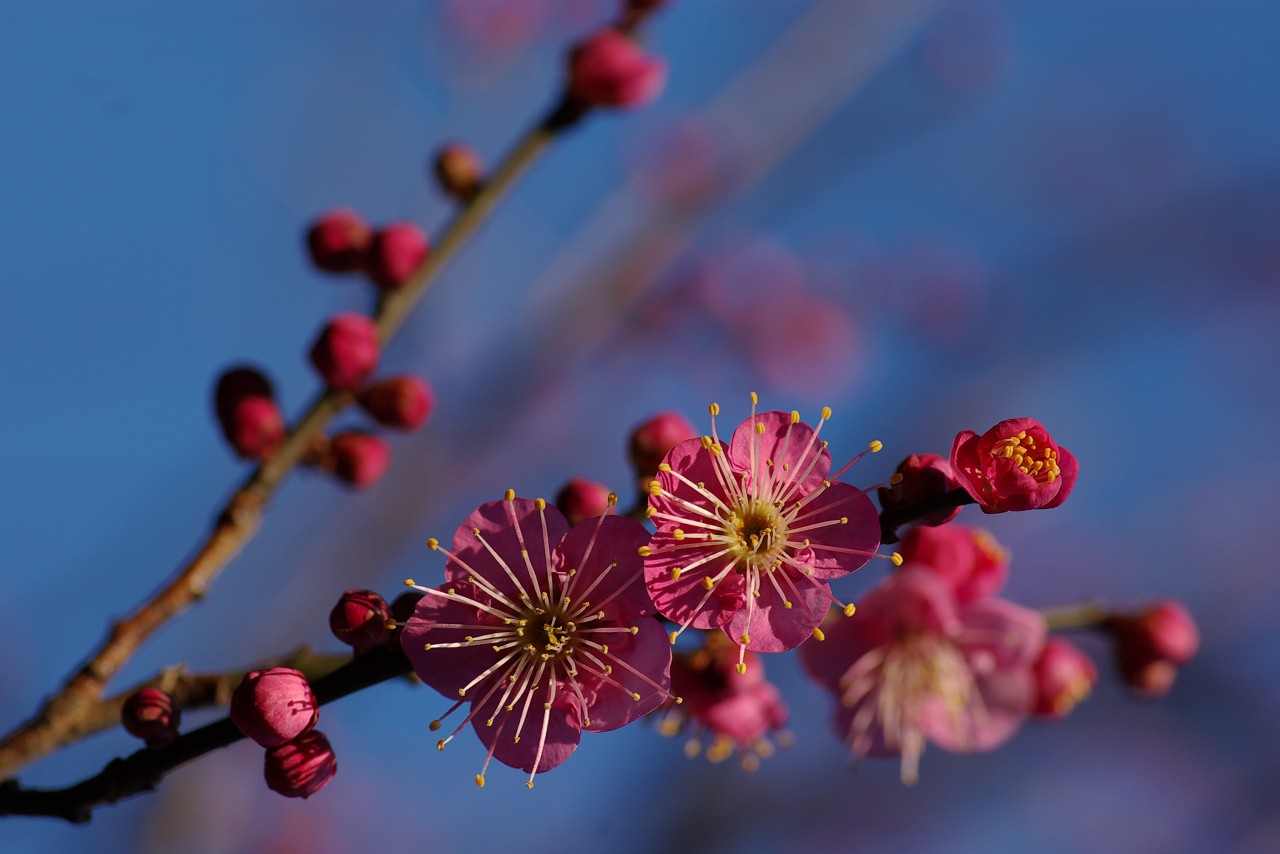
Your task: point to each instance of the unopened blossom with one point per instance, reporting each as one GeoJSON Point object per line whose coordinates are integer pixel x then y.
{"type": "Point", "coordinates": [1015, 465]}
{"type": "Point", "coordinates": [724, 710]}
{"type": "Point", "coordinates": [339, 241]}
{"type": "Point", "coordinates": [924, 476]}
{"type": "Point", "coordinates": [581, 499]}
{"type": "Point", "coordinates": [274, 706]}
{"type": "Point", "coordinates": [749, 532]}
{"type": "Point", "coordinates": [347, 350]}
{"type": "Point", "coordinates": [247, 411]}
{"type": "Point", "coordinates": [970, 559]}
{"type": "Point", "coordinates": [1064, 676]}
{"type": "Point", "coordinates": [397, 250]}
{"type": "Point", "coordinates": [360, 619]}
{"type": "Point", "coordinates": [543, 630]}
{"type": "Point", "coordinates": [150, 714]}
{"type": "Point", "coordinates": [300, 767]}
{"type": "Point", "coordinates": [914, 665]}
{"type": "Point", "coordinates": [610, 70]}
{"type": "Point", "coordinates": [359, 459]}
{"type": "Point", "coordinates": [403, 402]}
{"type": "Point", "coordinates": [1152, 643]}
{"type": "Point", "coordinates": [459, 170]}
{"type": "Point", "coordinates": [653, 439]}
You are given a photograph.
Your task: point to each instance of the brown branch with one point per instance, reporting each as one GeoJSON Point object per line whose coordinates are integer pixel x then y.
{"type": "Point", "coordinates": [1087, 615]}
{"type": "Point", "coordinates": [143, 770]}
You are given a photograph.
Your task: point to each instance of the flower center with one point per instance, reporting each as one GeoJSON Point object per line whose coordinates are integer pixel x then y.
{"type": "Point", "coordinates": [549, 634]}
{"type": "Point", "coordinates": [760, 531]}
{"type": "Point", "coordinates": [1038, 461]}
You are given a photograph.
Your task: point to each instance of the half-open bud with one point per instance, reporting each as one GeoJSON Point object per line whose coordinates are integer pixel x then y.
{"type": "Point", "coordinates": [654, 439]}
{"type": "Point", "coordinates": [151, 715]}
{"type": "Point", "coordinates": [347, 351]}
{"type": "Point", "coordinates": [459, 171]}
{"type": "Point", "coordinates": [402, 402]}
{"type": "Point", "coordinates": [339, 241]}
{"type": "Point", "coordinates": [301, 767]}
{"type": "Point", "coordinates": [1016, 465]}
{"type": "Point", "coordinates": [397, 251]}
{"type": "Point", "coordinates": [359, 459]}
{"type": "Point", "coordinates": [250, 419]}
{"type": "Point", "coordinates": [611, 70]}
{"type": "Point", "coordinates": [1064, 676]}
{"type": "Point", "coordinates": [360, 619]}
{"type": "Point", "coordinates": [274, 706]}
{"type": "Point", "coordinates": [582, 499]}
{"type": "Point", "coordinates": [923, 476]}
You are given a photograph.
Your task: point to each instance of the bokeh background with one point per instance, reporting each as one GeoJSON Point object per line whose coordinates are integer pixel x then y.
{"type": "Point", "coordinates": [928, 214]}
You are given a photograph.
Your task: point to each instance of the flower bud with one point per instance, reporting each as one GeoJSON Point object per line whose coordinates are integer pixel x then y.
{"type": "Point", "coordinates": [459, 171]}
{"type": "Point", "coordinates": [1015, 465]}
{"type": "Point", "coordinates": [274, 706]}
{"type": "Point", "coordinates": [1153, 643]}
{"type": "Point", "coordinates": [582, 499]}
{"type": "Point", "coordinates": [923, 476]}
{"type": "Point", "coordinates": [397, 251]}
{"type": "Point", "coordinates": [359, 459]}
{"type": "Point", "coordinates": [250, 419]}
{"type": "Point", "coordinates": [970, 559]}
{"type": "Point", "coordinates": [402, 608]}
{"type": "Point", "coordinates": [611, 70]}
{"type": "Point", "coordinates": [1064, 676]}
{"type": "Point", "coordinates": [301, 767]}
{"type": "Point", "coordinates": [339, 241]}
{"type": "Point", "coordinates": [404, 402]}
{"type": "Point", "coordinates": [150, 714]}
{"type": "Point", "coordinates": [654, 439]}
{"type": "Point", "coordinates": [360, 619]}
{"type": "Point", "coordinates": [347, 351]}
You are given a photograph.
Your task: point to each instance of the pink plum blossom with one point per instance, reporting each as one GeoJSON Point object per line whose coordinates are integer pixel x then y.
{"type": "Point", "coordinates": [608, 69]}
{"type": "Point", "coordinates": [1064, 677]}
{"type": "Point", "coordinates": [970, 559]}
{"type": "Point", "coordinates": [923, 476]}
{"type": "Point", "coordinates": [544, 630]}
{"type": "Point", "coordinates": [913, 664]}
{"type": "Point", "coordinates": [1015, 465]}
{"type": "Point", "coordinates": [749, 532]}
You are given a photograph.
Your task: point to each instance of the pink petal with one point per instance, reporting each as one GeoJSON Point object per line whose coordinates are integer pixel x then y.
{"type": "Point", "coordinates": [496, 527]}
{"type": "Point", "coordinates": [1068, 468]}
{"type": "Point", "coordinates": [794, 445]}
{"type": "Point", "coordinates": [694, 462]}
{"type": "Point", "coordinates": [772, 626]}
{"type": "Point", "coordinates": [562, 735]}
{"type": "Point", "coordinates": [911, 600]}
{"type": "Point", "coordinates": [1014, 635]}
{"type": "Point", "coordinates": [748, 716]}
{"type": "Point", "coordinates": [448, 669]}
{"type": "Point", "coordinates": [648, 651]}
{"type": "Point", "coordinates": [860, 533]}
{"type": "Point", "coordinates": [847, 640]}
{"type": "Point", "coordinates": [605, 554]}
{"type": "Point", "coordinates": [679, 599]}
{"type": "Point", "coordinates": [964, 463]}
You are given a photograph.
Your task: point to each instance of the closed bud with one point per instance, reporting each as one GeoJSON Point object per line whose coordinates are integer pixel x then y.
{"type": "Point", "coordinates": [459, 171]}
{"type": "Point", "coordinates": [359, 459]}
{"type": "Point", "coordinates": [923, 476]}
{"type": "Point", "coordinates": [611, 70]}
{"type": "Point", "coordinates": [347, 351]}
{"type": "Point", "coordinates": [250, 419]}
{"type": "Point", "coordinates": [151, 715]}
{"type": "Point", "coordinates": [1064, 676]}
{"type": "Point", "coordinates": [397, 251]}
{"type": "Point", "coordinates": [404, 402]}
{"type": "Point", "coordinates": [1153, 643]}
{"type": "Point", "coordinates": [274, 706]}
{"type": "Point", "coordinates": [582, 499]}
{"type": "Point", "coordinates": [339, 241]}
{"type": "Point", "coordinates": [360, 619]}
{"type": "Point", "coordinates": [301, 767]}
{"type": "Point", "coordinates": [654, 439]}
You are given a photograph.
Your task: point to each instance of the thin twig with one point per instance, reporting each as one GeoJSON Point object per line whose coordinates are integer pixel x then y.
{"type": "Point", "coordinates": [1086, 615]}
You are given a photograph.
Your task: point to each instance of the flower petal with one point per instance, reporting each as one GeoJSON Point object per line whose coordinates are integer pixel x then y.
{"type": "Point", "coordinates": [497, 527]}
{"type": "Point", "coordinates": [562, 728]}
{"type": "Point", "coordinates": [604, 552]}
{"type": "Point", "coordinates": [861, 533]}
{"type": "Point", "coordinates": [450, 668]}
{"type": "Point", "coordinates": [800, 462]}
{"type": "Point", "coordinates": [773, 627]}
{"type": "Point", "coordinates": [648, 651]}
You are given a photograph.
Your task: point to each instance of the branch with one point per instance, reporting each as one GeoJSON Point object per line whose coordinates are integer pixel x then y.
{"type": "Point", "coordinates": [143, 770]}
{"type": "Point", "coordinates": [892, 520]}
{"type": "Point", "coordinates": [1087, 615]}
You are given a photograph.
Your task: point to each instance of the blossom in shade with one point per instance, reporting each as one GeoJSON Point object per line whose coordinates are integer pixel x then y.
{"type": "Point", "coordinates": [583, 499]}
{"type": "Point", "coordinates": [749, 532]}
{"type": "Point", "coordinates": [359, 459]}
{"type": "Point", "coordinates": [970, 559]}
{"type": "Point", "coordinates": [459, 170]}
{"type": "Point", "coordinates": [544, 630]}
{"type": "Point", "coordinates": [274, 706]}
{"type": "Point", "coordinates": [339, 241]}
{"type": "Point", "coordinates": [1064, 676]}
{"type": "Point", "coordinates": [611, 70]}
{"type": "Point", "coordinates": [396, 252]}
{"type": "Point", "coordinates": [150, 714]}
{"type": "Point", "coordinates": [360, 619]}
{"type": "Point", "coordinates": [1015, 465]}
{"type": "Point", "coordinates": [347, 351]}
{"type": "Point", "coordinates": [402, 402]}
{"type": "Point", "coordinates": [923, 476]}
{"type": "Point", "coordinates": [654, 439]}
{"type": "Point", "coordinates": [722, 708]}
{"type": "Point", "coordinates": [247, 411]}
{"type": "Point", "coordinates": [914, 665]}
{"type": "Point", "coordinates": [301, 767]}
{"type": "Point", "coordinates": [1152, 643]}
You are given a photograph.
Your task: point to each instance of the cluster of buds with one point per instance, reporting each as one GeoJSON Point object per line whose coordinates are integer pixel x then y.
{"type": "Point", "coordinates": [276, 709]}
{"type": "Point", "coordinates": [342, 242]}
{"type": "Point", "coordinates": [1152, 643]}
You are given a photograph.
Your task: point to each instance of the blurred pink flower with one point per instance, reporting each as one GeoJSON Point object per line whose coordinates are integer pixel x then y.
{"type": "Point", "coordinates": [969, 559]}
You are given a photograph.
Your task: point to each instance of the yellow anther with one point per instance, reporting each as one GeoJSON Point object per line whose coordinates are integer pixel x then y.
{"type": "Point", "coordinates": [707, 583]}
{"type": "Point", "coordinates": [826, 412]}
{"type": "Point", "coordinates": [678, 534]}
{"type": "Point", "coordinates": [844, 520]}
{"type": "Point", "coordinates": [745, 638]}
{"type": "Point", "coordinates": [409, 582]}
{"type": "Point", "coordinates": [818, 635]}
{"type": "Point", "coordinates": [433, 543]}
{"type": "Point", "coordinates": [649, 512]}
{"type": "Point", "coordinates": [604, 647]}
{"type": "Point", "coordinates": [644, 551]}
{"type": "Point", "coordinates": [655, 488]}
{"type": "Point", "coordinates": [714, 409]}
{"type": "Point", "coordinates": [613, 498]}
{"type": "Point", "coordinates": [795, 417]}
{"type": "Point", "coordinates": [540, 504]}
{"type": "Point", "coordinates": [715, 450]}
{"type": "Point", "coordinates": [528, 783]}
{"type": "Point", "coordinates": [635, 630]}
{"type": "Point", "coordinates": [786, 603]}
{"type": "Point", "coordinates": [896, 479]}
{"type": "Point", "coordinates": [663, 467]}
{"type": "Point", "coordinates": [475, 531]}
{"type": "Point", "coordinates": [896, 558]}
{"type": "Point", "coordinates": [480, 780]}
{"type": "Point", "coordinates": [760, 427]}
{"type": "Point", "coordinates": [705, 441]}
{"type": "Point", "coordinates": [389, 624]}
{"type": "Point", "coordinates": [435, 725]}
{"type": "Point", "coordinates": [671, 636]}
{"type": "Point", "coordinates": [509, 494]}
{"type": "Point", "coordinates": [675, 573]}
{"type": "Point", "coordinates": [741, 668]}
{"type": "Point", "coordinates": [635, 696]}
{"type": "Point", "coordinates": [754, 399]}
{"type": "Point", "coordinates": [426, 646]}
{"type": "Point", "coordinates": [440, 744]}
{"type": "Point", "coordinates": [876, 447]}
{"type": "Point", "coordinates": [848, 610]}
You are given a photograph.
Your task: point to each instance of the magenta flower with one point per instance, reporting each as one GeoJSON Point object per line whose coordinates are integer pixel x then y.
{"type": "Point", "coordinates": [749, 532]}
{"type": "Point", "coordinates": [913, 665]}
{"type": "Point", "coordinates": [970, 559]}
{"type": "Point", "coordinates": [1015, 465]}
{"type": "Point", "coordinates": [544, 629]}
{"type": "Point", "coordinates": [923, 476]}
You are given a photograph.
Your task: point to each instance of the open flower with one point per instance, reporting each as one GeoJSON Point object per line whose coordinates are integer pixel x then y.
{"type": "Point", "coordinates": [750, 532]}
{"type": "Point", "coordinates": [544, 630]}
{"type": "Point", "coordinates": [913, 665]}
{"type": "Point", "coordinates": [1015, 465]}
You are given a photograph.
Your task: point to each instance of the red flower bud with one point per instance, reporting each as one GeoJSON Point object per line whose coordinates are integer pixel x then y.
{"type": "Point", "coordinates": [339, 241]}
{"type": "Point", "coordinates": [459, 171]}
{"type": "Point", "coordinates": [402, 608]}
{"type": "Point", "coordinates": [654, 439]}
{"type": "Point", "coordinates": [611, 70]}
{"type": "Point", "coordinates": [1015, 465]}
{"type": "Point", "coordinates": [347, 351]}
{"type": "Point", "coordinates": [360, 459]}
{"type": "Point", "coordinates": [250, 419]}
{"type": "Point", "coordinates": [397, 251]}
{"type": "Point", "coordinates": [923, 476]}
{"type": "Point", "coordinates": [582, 499]}
{"type": "Point", "coordinates": [301, 767]}
{"type": "Point", "coordinates": [970, 559]}
{"type": "Point", "coordinates": [404, 402]}
{"type": "Point", "coordinates": [360, 619]}
{"type": "Point", "coordinates": [150, 714]}
{"type": "Point", "coordinates": [274, 706]}
{"type": "Point", "coordinates": [1152, 643]}
{"type": "Point", "coordinates": [1064, 676]}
